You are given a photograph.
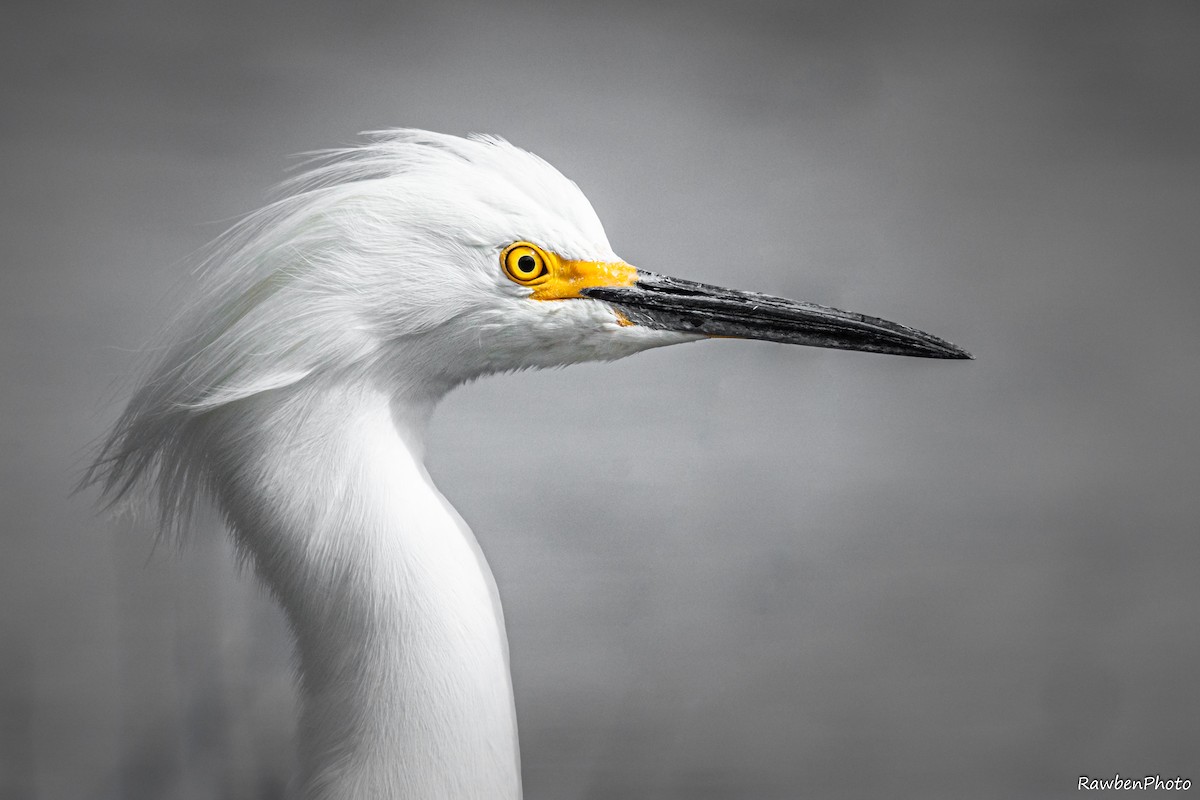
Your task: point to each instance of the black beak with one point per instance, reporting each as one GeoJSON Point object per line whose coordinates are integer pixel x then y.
{"type": "Point", "coordinates": [657, 301]}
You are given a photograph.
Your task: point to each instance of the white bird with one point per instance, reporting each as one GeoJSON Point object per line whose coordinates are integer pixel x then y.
{"type": "Point", "coordinates": [296, 396]}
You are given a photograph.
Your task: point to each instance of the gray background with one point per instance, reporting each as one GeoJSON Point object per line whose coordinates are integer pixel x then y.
{"type": "Point", "coordinates": [747, 570]}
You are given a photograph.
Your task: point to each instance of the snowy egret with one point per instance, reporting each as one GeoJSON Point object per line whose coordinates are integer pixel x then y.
{"type": "Point", "coordinates": [296, 396]}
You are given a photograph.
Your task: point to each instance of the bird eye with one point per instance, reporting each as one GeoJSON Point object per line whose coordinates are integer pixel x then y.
{"type": "Point", "coordinates": [523, 262]}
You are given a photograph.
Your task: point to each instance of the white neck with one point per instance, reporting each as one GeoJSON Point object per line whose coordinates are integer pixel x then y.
{"type": "Point", "coordinates": [403, 655]}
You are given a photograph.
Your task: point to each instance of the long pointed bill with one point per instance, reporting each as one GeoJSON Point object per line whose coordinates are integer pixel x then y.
{"type": "Point", "coordinates": [657, 301]}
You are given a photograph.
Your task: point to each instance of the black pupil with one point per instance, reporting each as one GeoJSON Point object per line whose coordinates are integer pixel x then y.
{"type": "Point", "coordinates": [526, 263]}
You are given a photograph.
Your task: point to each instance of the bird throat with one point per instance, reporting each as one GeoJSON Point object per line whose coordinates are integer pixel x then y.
{"type": "Point", "coordinates": [403, 655]}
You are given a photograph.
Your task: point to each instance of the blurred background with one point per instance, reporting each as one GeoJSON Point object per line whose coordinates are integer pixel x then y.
{"type": "Point", "coordinates": [756, 571]}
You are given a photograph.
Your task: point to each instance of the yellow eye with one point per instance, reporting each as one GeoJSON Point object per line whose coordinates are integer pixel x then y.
{"type": "Point", "coordinates": [525, 263]}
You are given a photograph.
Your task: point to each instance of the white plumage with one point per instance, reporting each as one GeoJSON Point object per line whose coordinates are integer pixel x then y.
{"type": "Point", "coordinates": [296, 395]}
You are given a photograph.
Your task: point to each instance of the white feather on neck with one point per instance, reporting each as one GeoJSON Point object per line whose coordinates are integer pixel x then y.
{"type": "Point", "coordinates": [403, 655]}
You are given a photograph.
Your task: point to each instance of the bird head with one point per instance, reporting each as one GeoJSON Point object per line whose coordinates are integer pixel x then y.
{"type": "Point", "coordinates": [439, 259]}
{"type": "Point", "coordinates": [463, 257]}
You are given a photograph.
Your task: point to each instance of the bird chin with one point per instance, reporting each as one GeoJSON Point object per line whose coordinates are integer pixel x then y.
{"type": "Point", "coordinates": [632, 338]}
{"type": "Point", "coordinates": [582, 330]}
